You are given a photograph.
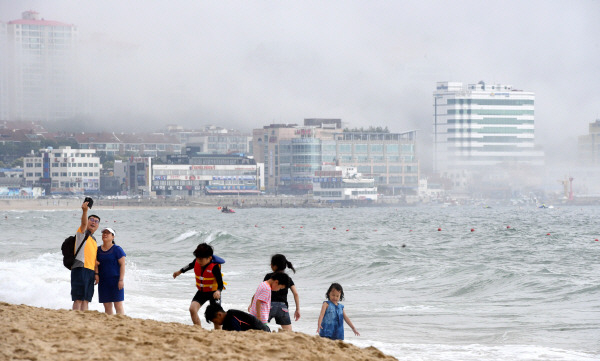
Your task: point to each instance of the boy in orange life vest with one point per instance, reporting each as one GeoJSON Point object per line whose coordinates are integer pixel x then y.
{"type": "Point", "coordinates": [208, 279]}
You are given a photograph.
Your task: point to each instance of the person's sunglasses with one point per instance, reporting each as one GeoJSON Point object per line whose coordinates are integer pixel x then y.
{"type": "Point", "coordinates": [93, 220]}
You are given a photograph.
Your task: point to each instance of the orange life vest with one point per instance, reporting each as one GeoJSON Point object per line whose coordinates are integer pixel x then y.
{"type": "Point", "coordinates": [205, 280]}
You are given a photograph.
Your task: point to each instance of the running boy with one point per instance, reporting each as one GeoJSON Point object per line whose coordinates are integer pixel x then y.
{"type": "Point", "coordinates": [209, 280]}
{"type": "Point", "coordinates": [261, 301]}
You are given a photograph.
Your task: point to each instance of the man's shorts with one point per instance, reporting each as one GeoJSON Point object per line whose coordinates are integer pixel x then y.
{"type": "Point", "coordinates": [280, 312]}
{"type": "Point", "coordinates": [82, 284]}
{"type": "Point", "coordinates": [202, 297]}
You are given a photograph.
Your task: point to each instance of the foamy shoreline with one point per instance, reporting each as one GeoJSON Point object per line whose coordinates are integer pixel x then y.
{"type": "Point", "coordinates": [33, 333]}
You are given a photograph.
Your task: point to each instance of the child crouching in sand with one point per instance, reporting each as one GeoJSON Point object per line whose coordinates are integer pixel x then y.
{"type": "Point", "coordinates": [331, 319]}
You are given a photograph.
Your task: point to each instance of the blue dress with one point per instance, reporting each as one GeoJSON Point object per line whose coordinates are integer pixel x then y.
{"type": "Point", "coordinates": [109, 272]}
{"type": "Point", "coordinates": [333, 322]}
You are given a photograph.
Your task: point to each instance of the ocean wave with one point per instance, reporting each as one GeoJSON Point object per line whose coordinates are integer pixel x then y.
{"type": "Point", "coordinates": [184, 236]}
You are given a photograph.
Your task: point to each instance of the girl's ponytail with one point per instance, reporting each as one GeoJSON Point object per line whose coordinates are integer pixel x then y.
{"type": "Point", "coordinates": [290, 266]}
{"type": "Point", "coordinates": [281, 263]}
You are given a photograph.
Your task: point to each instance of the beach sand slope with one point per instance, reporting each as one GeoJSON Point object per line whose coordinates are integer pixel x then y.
{"type": "Point", "coordinates": [31, 333]}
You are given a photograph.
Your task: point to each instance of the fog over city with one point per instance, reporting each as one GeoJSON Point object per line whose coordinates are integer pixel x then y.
{"type": "Point", "coordinates": [245, 64]}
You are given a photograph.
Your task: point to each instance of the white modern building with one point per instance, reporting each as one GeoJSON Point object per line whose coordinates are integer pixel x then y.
{"type": "Point", "coordinates": [481, 126]}
{"type": "Point", "coordinates": [64, 171]}
{"type": "Point", "coordinates": [37, 75]}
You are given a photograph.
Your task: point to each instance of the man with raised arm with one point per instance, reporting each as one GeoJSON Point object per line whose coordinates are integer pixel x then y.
{"type": "Point", "coordinates": [84, 273]}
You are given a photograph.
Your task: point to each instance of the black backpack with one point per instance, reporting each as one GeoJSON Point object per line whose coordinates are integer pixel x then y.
{"type": "Point", "coordinates": [67, 250]}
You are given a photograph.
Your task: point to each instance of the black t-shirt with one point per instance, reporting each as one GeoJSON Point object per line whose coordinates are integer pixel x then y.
{"type": "Point", "coordinates": [237, 320]}
{"type": "Point", "coordinates": [281, 295]}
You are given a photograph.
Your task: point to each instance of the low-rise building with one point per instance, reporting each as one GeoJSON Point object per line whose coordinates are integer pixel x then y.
{"type": "Point", "coordinates": [136, 144]}
{"type": "Point", "coordinates": [343, 184]}
{"type": "Point", "coordinates": [63, 171]}
{"type": "Point", "coordinates": [202, 174]}
{"type": "Point", "coordinates": [213, 139]}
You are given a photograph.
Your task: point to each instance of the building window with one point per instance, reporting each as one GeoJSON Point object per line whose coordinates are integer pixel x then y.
{"type": "Point", "coordinates": [346, 148]}
{"type": "Point", "coordinates": [360, 148]}
{"type": "Point", "coordinates": [391, 148]}
{"type": "Point", "coordinates": [376, 148]}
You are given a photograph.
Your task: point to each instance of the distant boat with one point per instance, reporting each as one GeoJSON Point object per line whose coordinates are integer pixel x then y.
{"type": "Point", "coordinates": [545, 206]}
{"type": "Point", "coordinates": [227, 210]}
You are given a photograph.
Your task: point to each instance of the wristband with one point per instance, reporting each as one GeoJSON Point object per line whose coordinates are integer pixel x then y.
{"type": "Point", "coordinates": [96, 274]}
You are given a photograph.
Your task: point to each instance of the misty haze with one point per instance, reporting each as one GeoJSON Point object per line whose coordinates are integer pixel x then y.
{"type": "Point", "coordinates": [246, 65]}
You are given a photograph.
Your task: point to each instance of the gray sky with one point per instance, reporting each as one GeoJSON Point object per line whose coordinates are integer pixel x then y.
{"type": "Point", "coordinates": [246, 64]}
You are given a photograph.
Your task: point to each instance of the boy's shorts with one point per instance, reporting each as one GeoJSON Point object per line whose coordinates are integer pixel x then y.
{"type": "Point", "coordinates": [202, 297]}
{"type": "Point", "coordinates": [82, 284]}
{"type": "Point", "coordinates": [280, 312]}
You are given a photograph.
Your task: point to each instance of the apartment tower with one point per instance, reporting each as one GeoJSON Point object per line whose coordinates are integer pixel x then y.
{"type": "Point", "coordinates": [37, 80]}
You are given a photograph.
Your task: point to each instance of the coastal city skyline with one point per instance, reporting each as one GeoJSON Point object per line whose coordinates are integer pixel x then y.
{"type": "Point", "coordinates": [107, 78]}
{"type": "Point", "coordinates": [209, 63]}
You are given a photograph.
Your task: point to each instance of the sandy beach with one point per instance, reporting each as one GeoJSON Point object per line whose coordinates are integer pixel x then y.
{"type": "Point", "coordinates": [31, 333]}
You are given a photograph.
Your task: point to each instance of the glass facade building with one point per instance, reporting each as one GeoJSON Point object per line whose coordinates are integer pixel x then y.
{"type": "Point", "coordinates": [292, 154]}
{"type": "Point", "coordinates": [389, 158]}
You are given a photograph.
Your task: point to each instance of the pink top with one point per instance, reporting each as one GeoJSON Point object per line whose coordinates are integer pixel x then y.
{"type": "Point", "coordinates": [263, 293]}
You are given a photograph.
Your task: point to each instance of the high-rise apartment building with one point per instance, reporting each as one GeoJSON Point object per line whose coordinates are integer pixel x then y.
{"type": "Point", "coordinates": [37, 78]}
{"type": "Point", "coordinates": [3, 71]}
{"type": "Point", "coordinates": [483, 125]}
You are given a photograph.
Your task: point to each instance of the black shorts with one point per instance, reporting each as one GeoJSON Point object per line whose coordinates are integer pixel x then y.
{"type": "Point", "coordinates": [82, 284]}
{"type": "Point", "coordinates": [202, 297]}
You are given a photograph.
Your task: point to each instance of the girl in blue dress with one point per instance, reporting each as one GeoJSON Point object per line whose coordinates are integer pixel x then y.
{"type": "Point", "coordinates": [331, 319]}
{"type": "Point", "coordinates": [111, 271]}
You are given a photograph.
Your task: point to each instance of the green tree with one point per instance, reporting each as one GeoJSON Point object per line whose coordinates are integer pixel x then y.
{"type": "Point", "coordinates": [17, 163]}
